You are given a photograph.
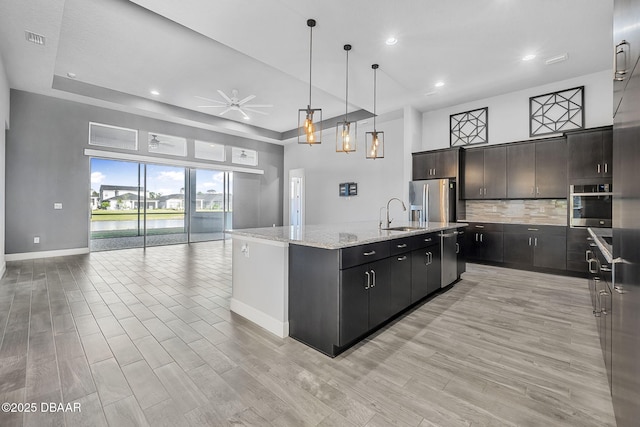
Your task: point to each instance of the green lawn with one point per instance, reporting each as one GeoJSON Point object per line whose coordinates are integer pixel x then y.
{"type": "Point", "coordinates": [128, 215]}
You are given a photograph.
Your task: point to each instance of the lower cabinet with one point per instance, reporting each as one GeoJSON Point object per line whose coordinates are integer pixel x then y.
{"type": "Point", "coordinates": [425, 268]}
{"type": "Point", "coordinates": [483, 242]}
{"type": "Point", "coordinates": [400, 282]}
{"type": "Point", "coordinates": [365, 293]}
{"type": "Point", "coordinates": [541, 246]}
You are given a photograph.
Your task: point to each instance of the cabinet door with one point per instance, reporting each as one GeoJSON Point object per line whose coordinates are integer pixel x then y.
{"type": "Point", "coordinates": [550, 251]}
{"type": "Point", "coordinates": [471, 244]}
{"type": "Point", "coordinates": [521, 171]}
{"type": "Point", "coordinates": [473, 178]}
{"type": "Point", "coordinates": [551, 169]}
{"type": "Point", "coordinates": [379, 293]}
{"type": "Point", "coordinates": [492, 246]}
{"type": "Point", "coordinates": [446, 164]}
{"type": "Point", "coordinates": [421, 164]}
{"type": "Point", "coordinates": [626, 15]}
{"type": "Point", "coordinates": [518, 248]}
{"type": "Point", "coordinates": [419, 266]}
{"type": "Point", "coordinates": [400, 283]}
{"type": "Point", "coordinates": [607, 153]}
{"type": "Point", "coordinates": [354, 303]}
{"type": "Point", "coordinates": [585, 154]}
{"type": "Point", "coordinates": [495, 173]}
{"type": "Point", "coordinates": [434, 269]}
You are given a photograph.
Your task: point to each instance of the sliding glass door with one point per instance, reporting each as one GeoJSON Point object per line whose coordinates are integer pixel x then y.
{"type": "Point", "coordinates": [137, 205]}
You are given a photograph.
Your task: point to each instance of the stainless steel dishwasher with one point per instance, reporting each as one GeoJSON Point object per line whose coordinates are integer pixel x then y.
{"type": "Point", "coordinates": [449, 258]}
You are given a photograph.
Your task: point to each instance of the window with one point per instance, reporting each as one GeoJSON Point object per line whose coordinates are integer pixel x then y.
{"type": "Point", "coordinates": [113, 136]}
{"type": "Point", "coordinates": [209, 151]}
{"type": "Point", "coordinates": [166, 144]}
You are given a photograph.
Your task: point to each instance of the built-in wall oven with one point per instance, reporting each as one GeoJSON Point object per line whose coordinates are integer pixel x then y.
{"type": "Point", "coordinates": [590, 205]}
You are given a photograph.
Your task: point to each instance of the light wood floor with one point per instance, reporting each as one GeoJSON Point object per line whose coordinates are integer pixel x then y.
{"type": "Point", "coordinates": [146, 338]}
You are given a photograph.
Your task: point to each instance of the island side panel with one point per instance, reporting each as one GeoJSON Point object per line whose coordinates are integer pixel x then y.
{"type": "Point", "coordinates": [260, 283]}
{"type": "Point", "coordinates": [314, 277]}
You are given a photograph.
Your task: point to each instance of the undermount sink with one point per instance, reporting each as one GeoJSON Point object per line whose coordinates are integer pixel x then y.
{"type": "Point", "coordinates": [402, 228]}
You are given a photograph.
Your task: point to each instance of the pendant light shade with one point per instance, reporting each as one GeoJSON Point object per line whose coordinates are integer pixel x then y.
{"type": "Point", "coordinates": [310, 119]}
{"type": "Point", "coordinates": [374, 141]}
{"type": "Point", "coordinates": [346, 132]}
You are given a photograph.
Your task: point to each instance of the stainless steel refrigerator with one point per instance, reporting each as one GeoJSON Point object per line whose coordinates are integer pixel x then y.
{"type": "Point", "coordinates": [432, 200]}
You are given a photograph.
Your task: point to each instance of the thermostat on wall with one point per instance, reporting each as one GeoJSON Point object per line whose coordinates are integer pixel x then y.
{"type": "Point", "coordinates": [348, 189]}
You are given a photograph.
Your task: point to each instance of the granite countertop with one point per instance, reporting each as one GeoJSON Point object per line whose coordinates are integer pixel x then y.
{"type": "Point", "coordinates": [514, 223]}
{"type": "Point", "coordinates": [337, 236]}
{"type": "Point", "coordinates": [599, 235]}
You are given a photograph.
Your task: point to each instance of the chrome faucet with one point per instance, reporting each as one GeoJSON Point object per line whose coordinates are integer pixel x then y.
{"type": "Point", "coordinates": [404, 208]}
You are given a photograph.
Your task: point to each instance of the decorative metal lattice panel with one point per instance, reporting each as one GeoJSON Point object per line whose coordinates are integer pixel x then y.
{"type": "Point", "coordinates": [556, 112]}
{"type": "Point", "coordinates": [469, 128]}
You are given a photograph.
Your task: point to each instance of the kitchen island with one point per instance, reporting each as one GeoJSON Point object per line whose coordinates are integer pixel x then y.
{"type": "Point", "coordinates": [298, 280]}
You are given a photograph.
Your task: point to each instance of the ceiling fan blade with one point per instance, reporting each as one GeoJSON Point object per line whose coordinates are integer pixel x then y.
{"type": "Point", "coordinates": [225, 111]}
{"type": "Point", "coordinates": [247, 99]}
{"type": "Point", "coordinates": [244, 114]}
{"type": "Point", "coordinates": [211, 106]}
{"type": "Point", "coordinates": [256, 111]}
{"type": "Point", "coordinates": [211, 100]}
{"type": "Point", "coordinates": [225, 97]}
{"type": "Point", "coordinates": [258, 105]}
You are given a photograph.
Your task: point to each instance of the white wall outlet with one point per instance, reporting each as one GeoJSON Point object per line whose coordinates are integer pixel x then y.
{"type": "Point", "coordinates": [57, 205]}
{"type": "Point", "coordinates": [36, 239]}
{"type": "Point", "coordinates": [494, 208]}
{"type": "Point", "coordinates": [541, 209]}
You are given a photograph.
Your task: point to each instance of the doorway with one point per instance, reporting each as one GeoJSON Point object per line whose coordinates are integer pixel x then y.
{"type": "Point", "coordinates": [296, 197]}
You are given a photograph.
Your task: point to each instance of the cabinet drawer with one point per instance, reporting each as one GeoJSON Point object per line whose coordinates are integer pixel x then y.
{"type": "Point", "coordinates": [484, 226]}
{"type": "Point", "coordinates": [533, 229]}
{"type": "Point", "coordinates": [425, 240]}
{"type": "Point", "coordinates": [357, 255]}
{"type": "Point", "coordinates": [399, 246]}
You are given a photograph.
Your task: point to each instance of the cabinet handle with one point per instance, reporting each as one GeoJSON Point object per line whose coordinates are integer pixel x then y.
{"type": "Point", "coordinates": [619, 75]}
{"type": "Point", "coordinates": [476, 237]}
{"type": "Point", "coordinates": [529, 241]}
{"type": "Point", "coordinates": [485, 191]}
{"type": "Point", "coordinates": [430, 258]}
{"type": "Point", "coordinates": [373, 280]}
{"type": "Point", "coordinates": [587, 257]}
{"type": "Point", "coordinates": [428, 240]}
{"type": "Point", "coordinates": [479, 226]}
{"type": "Point", "coordinates": [606, 168]}
{"type": "Point", "coordinates": [481, 237]}
{"type": "Point", "coordinates": [618, 289]}
{"type": "Point", "coordinates": [598, 167]}
{"type": "Point", "coordinates": [402, 258]}
{"type": "Point", "coordinates": [538, 190]}
{"type": "Point", "coordinates": [593, 270]}
{"type": "Point", "coordinates": [457, 248]}
{"type": "Point", "coordinates": [605, 269]}
{"type": "Point", "coordinates": [535, 241]}
{"type": "Point", "coordinates": [404, 245]}
{"type": "Point", "coordinates": [368, 280]}
{"type": "Point", "coordinates": [481, 191]}
{"type": "Point", "coordinates": [369, 253]}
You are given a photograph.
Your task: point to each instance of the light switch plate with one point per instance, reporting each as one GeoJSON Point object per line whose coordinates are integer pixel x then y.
{"type": "Point", "coordinates": [57, 205]}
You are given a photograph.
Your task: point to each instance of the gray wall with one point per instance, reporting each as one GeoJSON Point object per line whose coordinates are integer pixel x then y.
{"type": "Point", "coordinates": [45, 164]}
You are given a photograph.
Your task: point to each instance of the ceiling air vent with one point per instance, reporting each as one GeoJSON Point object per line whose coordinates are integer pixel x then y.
{"type": "Point", "coordinates": [34, 38]}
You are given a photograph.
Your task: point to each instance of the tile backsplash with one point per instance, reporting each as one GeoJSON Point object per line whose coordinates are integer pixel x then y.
{"type": "Point", "coordinates": [538, 211]}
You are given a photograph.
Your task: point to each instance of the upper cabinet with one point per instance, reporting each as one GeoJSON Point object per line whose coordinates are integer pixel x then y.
{"type": "Point", "coordinates": [436, 164]}
{"type": "Point", "coordinates": [626, 49]}
{"type": "Point", "coordinates": [590, 154]}
{"type": "Point", "coordinates": [485, 174]}
{"type": "Point", "coordinates": [537, 170]}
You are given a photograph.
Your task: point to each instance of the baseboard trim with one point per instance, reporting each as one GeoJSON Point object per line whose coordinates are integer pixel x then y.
{"type": "Point", "coordinates": [45, 254]}
{"type": "Point", "coordinates": [276, 327]}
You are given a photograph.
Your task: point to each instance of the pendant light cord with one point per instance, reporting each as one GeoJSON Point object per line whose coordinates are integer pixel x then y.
{"type": "Point", "coordinates": [375, 85]}
{"type": "Point", "coordinates": [346, 98]}
{"type": "Point", "coordinates": [310, 57]}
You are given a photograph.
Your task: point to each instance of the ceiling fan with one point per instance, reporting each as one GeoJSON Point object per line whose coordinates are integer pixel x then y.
{"type": "Point", "coordinates": [154, 142]}
{"type": "Point", "coordinates": [233, 103]}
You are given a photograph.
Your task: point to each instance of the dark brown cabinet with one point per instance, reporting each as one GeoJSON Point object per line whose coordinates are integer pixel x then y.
{"type": "Point", "coordinates": [484, 242]}
{"type": "Point", "coordinates": [577, 246]}
{"type": "Point", "coordinates": [485, 173]}
{"type": "Point", "coordinates": [626, 15]}
{"type": "Point", "coordinates": [590, 154]}
{"type": "Point", "coordinates": [436, 164]}
{"type": "Point", "coordinates": [537, 169]}
{"type": "Point", "coordinates": [425, 267]}
{"type": "Point", "coordinates": [541, 246]}
{"type": "Point", "coordinates": [400, 288]}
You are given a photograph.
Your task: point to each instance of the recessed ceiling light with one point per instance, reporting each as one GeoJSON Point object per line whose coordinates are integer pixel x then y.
{"type": "Point", "coordinates": [247, 118]}
{"type": "Point", "coordinates": [528, 57]}
{"type": "Point", "coordinates": [391, 41]}
{"type": "Point", "coordinates": [557, 58]}
{"type": "Point", "coordinates": [71, 75]}
{"type": "Point", "coordinates": [439, 84]}
{"type": "Point", "coordinates": [154, 92]}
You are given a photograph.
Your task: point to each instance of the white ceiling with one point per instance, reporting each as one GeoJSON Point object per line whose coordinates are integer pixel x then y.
{"type": "Point", "coordinates": [261, 47]}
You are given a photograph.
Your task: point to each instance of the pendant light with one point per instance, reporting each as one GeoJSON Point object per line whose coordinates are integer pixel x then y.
{"type": "Point", "coordinates": [346, 132]}
{"type": "Point", "coordinates": [310, 119]}
{"type": "Point", "coordinates": [374, 141]}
